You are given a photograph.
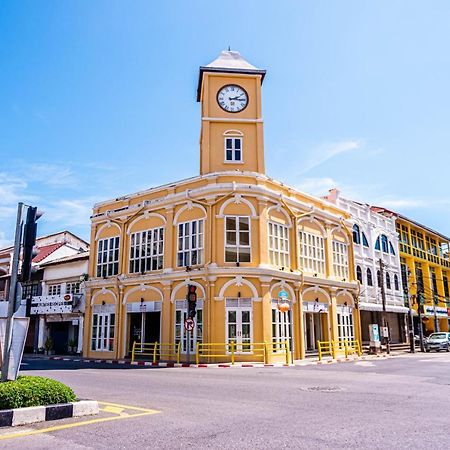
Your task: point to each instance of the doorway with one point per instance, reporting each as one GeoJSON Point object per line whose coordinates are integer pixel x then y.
{"type": "Point", "coordinates": [144, 327]}
{"type": "Point", "coordinates": [314, 330]}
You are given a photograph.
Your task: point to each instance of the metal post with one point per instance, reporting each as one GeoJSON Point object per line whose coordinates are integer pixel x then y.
{"type": "Point", "coordinates": [419, 309]}
{"type": "Point", "coordinates": [383, 298]}
{"type": "Point", "coordinates": [412, 346]}
{"type": "Point", "coordinates": [188, 346]}
{"type": "Point", "coordinates": [12, 293]}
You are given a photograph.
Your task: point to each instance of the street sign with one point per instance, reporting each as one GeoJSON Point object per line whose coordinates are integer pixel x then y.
{"type": "Point", "coordinates": [189, 324]}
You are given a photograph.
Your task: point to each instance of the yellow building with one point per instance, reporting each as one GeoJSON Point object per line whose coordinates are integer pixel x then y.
{"type": "Point", "coordinates": [425, 264]}
{"type": "Point", "coordinates": [237, 235]}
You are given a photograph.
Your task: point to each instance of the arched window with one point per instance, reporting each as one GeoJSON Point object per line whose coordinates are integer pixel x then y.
{"type": "Point", "coordinates": [369, 278]}
{"type": "Point", "coordinates": [388, 281]}
{"type": "Point", "coordinates": [384, 243]}
{"type": "Point", "coordinates": [377, 244]}
{"type": "Point", "coordinates": [359, 274]}
{"type": "Point", "coordinates": [356, 234]}
{"type": "Point", "coordinates": [365, 242]}
{"type": "Point", "coordinates": [233, 146]}
{"type": "Point", "coordinates": [378, 278]}
{"type": "Point", "coordinates": [391, 248]}
{"type": "Point", "coordinates": [396, 284]}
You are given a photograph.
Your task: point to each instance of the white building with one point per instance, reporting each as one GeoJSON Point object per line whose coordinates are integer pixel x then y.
{"type": "Point", "coordinates": [60, 308]}
{"type": "Point", "coordinates": [375, 239]}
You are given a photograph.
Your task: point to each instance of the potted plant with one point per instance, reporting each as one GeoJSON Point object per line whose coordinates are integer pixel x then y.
{"type": "Point", "coordinates": [72, 346]}
{"type": "Point", "coordinates": [48, 345]}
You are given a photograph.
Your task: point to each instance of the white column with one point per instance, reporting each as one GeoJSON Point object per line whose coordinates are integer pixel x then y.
{"type": "Point", "coordinates": [80, 334]}
{"type": "Point", "coordinates": [41, 336]}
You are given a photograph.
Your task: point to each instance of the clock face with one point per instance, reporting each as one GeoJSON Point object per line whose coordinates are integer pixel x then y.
{"type": "Point", "coordinates": [232, 98]}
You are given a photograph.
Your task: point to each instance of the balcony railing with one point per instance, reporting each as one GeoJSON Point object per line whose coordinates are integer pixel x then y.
{"type": "Point", "coordinates": [422, 254]}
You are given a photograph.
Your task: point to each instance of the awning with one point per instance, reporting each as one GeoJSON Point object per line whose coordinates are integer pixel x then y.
{"type": "Point", "coordinates": [379, 307]}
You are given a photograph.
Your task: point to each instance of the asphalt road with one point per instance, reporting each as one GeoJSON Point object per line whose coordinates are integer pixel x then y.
{"type": "Point", "coordinates": [401, 402]}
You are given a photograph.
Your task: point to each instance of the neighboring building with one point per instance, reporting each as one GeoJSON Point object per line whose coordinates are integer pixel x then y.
{"type": "Point", "coordinates": [59, 311]}
{"type": "Point", "coordinates": [375, 239]}
{"type": "Point", "coordinates": [49, 248]}
{"type": "Point", "coordinates": [425, 264]}
{"type": "Point", "coordinates": [233, 232]}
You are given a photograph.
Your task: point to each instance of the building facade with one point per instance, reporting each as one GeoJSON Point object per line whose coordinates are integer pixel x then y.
{"type": "Point", "coordinates": [425, 265]}
{"type": "Point", "coordinates": [375, 243]}
{"type": "Point", "coordinates": [49, 248]}
{"type": "Point", "coordinates": [235, 234]}
{"type": "Point", "coordinates": [59, 311]}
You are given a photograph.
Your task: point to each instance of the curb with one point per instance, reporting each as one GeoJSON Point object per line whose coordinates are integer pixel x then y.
{"type": "Point", "coordinates": [35, 414]}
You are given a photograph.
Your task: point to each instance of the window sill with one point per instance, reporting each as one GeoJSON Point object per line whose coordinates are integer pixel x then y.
{"type": "Point", "coordinates": [233, 162]}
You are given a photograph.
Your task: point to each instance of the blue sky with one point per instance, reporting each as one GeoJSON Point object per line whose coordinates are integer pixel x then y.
{"type": "Point", "coordinates": [97, 99]}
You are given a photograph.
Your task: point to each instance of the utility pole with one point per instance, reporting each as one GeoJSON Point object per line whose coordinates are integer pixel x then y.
{"type": "Point", "coordinates": [383, 298]}
{"type": "Point", "coordinates": [412, 346]}
{"type": "Point", "coordinates": [419, 309]}
{"type": "Point", "coordinates": [12, 293]}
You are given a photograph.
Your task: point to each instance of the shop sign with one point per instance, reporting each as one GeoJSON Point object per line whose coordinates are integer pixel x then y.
{"type": "Point", "coordinates": [440, 311]}
{"type": "Point", "coordinates": [52, 304]}
{"type": "Point", "coordinates": [315, 307]}
{"type": "Point", "coordinates": [137, 307]}
{"type": "Point", "coordinates": [105, 309]}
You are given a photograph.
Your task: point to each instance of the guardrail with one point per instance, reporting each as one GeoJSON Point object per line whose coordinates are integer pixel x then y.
{"type": "Point", "coordinates": [156, 350]}
{"type": "Point", "coordinates": [231, 349]}
{"type": "Point", "coordinates": [333, 348]}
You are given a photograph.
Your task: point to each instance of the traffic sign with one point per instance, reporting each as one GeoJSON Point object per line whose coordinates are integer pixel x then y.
{"type": "Point", "coordinates": [189, 324]}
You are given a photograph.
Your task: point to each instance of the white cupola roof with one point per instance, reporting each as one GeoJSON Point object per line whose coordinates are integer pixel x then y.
{"type": "Point", "coordinates": [230, 59]}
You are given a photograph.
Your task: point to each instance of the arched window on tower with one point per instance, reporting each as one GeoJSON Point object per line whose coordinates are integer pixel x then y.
{"type": "Point", "coordinates": [388, 280]}
{"type": "Point", "coordinates": [233, 146]}
{"type": "Point", "coordinates": [359, 274]}
{"type": "Point", "coordinates": [369, 278]}
{"type": "Point", "coordinates": [356, 234]}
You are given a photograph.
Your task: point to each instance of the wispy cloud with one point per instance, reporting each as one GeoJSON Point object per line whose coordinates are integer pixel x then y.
{"type": "Point", "coordinates": [317, 186]}
{"type": "Point", "coordinates": [327, 151]}
{"type": "Point", "coordinates": [69, 212]}
{"type": "Point", "coordinates": [52, 175]}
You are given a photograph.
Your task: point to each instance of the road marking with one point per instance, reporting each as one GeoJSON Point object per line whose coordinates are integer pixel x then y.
{"type": "Point", "coordinates": [109, 407]}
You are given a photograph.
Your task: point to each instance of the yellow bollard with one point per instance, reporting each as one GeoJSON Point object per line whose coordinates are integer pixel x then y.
{"type": "Point", "coordinates": [319, 346]}
{"type": "Point", "coordinates": [178, 352]}
{"type": "Point", "coordinates": [288, 352]}
{"type": "Point", "coordinates": [155, 352]}
{"type": "Point", "coordinates": [266, 353]}
{"type": "Point", "coordinates": [232, 345]}
{"type": "Point", "coordinates": [197, 356]}
{"type": "Point", "coordinates": [132, 351]}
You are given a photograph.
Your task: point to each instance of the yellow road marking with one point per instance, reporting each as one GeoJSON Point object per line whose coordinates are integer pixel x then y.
{"type": "Point", "coordinates": [113, 409]}
{"type": "Point", "coordinates": [145, 412]}
{"type": "Point", "coordinates": [136, 408]}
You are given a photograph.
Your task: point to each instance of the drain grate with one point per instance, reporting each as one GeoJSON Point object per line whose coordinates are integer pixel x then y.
{"type": "Point", "coordinates": [321, 388]}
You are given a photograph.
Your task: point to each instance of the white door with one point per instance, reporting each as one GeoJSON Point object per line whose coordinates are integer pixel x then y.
{"type": "Point", "coordinates": [239, 328]}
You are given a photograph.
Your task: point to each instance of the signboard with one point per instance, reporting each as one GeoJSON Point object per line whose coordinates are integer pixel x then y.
{"type": "Point", "coordinates": [440, 311]}
{"type": "Point", "coordinates": [52, 304]}
{"type": "Point", "coordinates": [385, 332]}
{"type": "Point", "coordinates": [315, 307]}
{"type": "Point", "coordinates": [19, 335]}
{"type": "Point", "coordinates": [374, 332]}
{"type": "Point", "coordinates": [143, 307]}
{"type": "Point", "coordinates": [189, 324]}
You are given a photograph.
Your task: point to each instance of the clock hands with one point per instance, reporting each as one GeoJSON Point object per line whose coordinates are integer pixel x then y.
{"type": "Point", "coordinates": [236, 98]}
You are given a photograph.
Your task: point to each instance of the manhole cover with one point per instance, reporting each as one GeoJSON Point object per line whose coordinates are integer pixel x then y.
{"type": "Point", "coordinates": [321, 388]}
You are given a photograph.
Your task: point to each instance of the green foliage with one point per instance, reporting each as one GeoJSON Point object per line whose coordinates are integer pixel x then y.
{"type": "Point", "coordinates": [34, 391]}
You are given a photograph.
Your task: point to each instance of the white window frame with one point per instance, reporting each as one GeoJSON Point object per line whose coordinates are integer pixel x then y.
{"type": "Point", "coordinates": [281, 327]}
{"type": "Point", "coordinates": [340, 259]}
{"type": "Point", "coordinates": [238, 247]}
{"type": "Point", "coordinates": [108, 257]}
{"type": "Point", "coordinates": [180, 333]}
{"type": "Point", "coordinates": [279, 244]}
{"type": "Point", "coordinates": [185, 249]}
{"type": "Point", "coordinates": [54, 289]}
{"type": "Point", "coordinates": [311, 252]}
{"type": "Point", "coordinates": [233, 150]}
{"type": "Point", "coordinates": [239, 305]}
{"type": "Point", "coordinates": [73, 287]}
{"type": "Point", "coordinates": [346, 324]}
{"type": "Point", "coordinates": [103, 341]}
{"type": "Point", "coordinates": [147, 249]}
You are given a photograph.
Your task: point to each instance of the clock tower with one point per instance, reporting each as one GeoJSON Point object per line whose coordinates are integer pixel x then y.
{"type": "Point", "coordinates": [231, 138]}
